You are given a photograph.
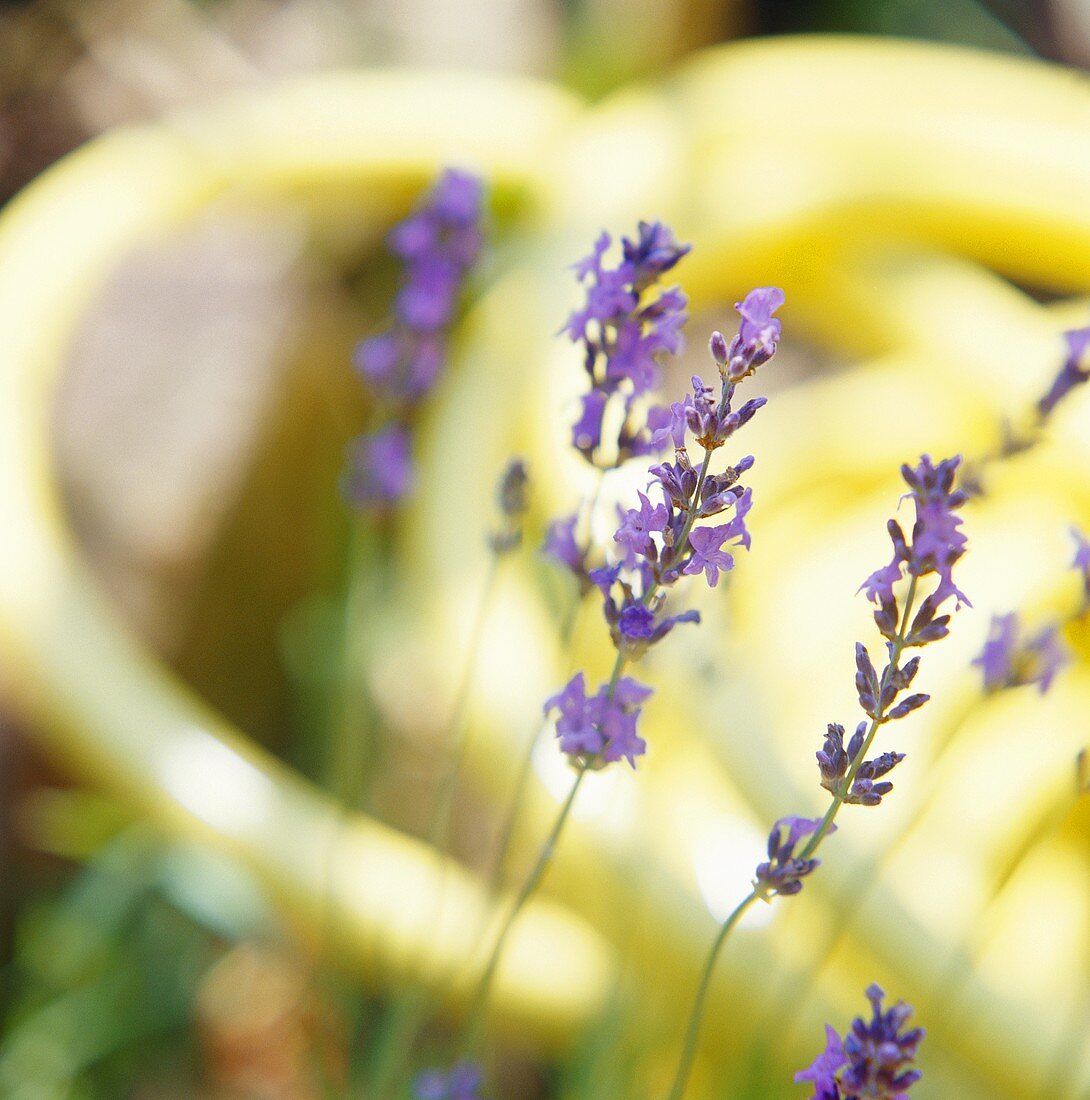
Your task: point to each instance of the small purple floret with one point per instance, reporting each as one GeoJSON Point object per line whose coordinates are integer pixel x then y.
{"type": "Point", "coordinates": [1082, 559]}
{"type": "Point", "coordinates": [380, 470]}
{"type": "Point", "coordinates": [783, 872]}
{"type": "Point", "coordinates": [1074, 372]}
{"type": "Point", "coordinates": [460, 1083]}
{"type": "Point", "coordinates": [600, 728]}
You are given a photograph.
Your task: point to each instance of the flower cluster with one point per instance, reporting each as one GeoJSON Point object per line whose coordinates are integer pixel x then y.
{"type": "Point", "coordinates": [873, 1061]}
{"type": "Point", "coordinates": [1075, 371]}
{"type": "Point", "coordinates": [623, 336]}
{"type": "Point", "coordinates": [601, 728]}
{"type": "Point", "coordinates": [1009, 660]}
{"type": "Point", "coordinates": [658, 543]}
{"type": "Point", "coordinates": [460, 1083]}
{"type": "Point", "coordinates": [783, 872]}
{"type": "Point", "coordinates": [937, 543]}
{"type": "Point", "coordinates": [437, 245]}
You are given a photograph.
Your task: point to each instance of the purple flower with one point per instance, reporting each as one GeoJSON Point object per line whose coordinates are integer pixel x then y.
{"type": "Point", "coordinates": [654, 252]}
{"type": "Point", "coordinates": [1007, 661]}
{"type": "Point", "coordinates": [758, 335]}
{"type": "Point", "coordinates": [937, 543]}
{"type": "Point", "coordinates": [460, 1083]}
{"type": "Point", "coordinates": [560, 544]}
{"type": "Point", "coordinates": [1073, 373]}
{"type": "Point", "coordinates": [823, 1070]}
{"type": "Point", "coordinates": [1082, 559]}
{"type": "Point", "coordinates": [380, 470]}
{"type": "Point", "coordinates": [623, 337]}
{"type": "Point", "coordinates": [577, 723]}
{"type": "Point", "coordinates": [874, 1060]}
{"type": "Point", "coordinates": [707, 557]}
{"type": "Point", "coordinates": [637, 526]}
{"type": "Point", "coordinates": [783, 872]}
{"type": "Point", "coordinates": [879, 1054]}
{"type": "Point", "coordinates": [996, 659]}
{"type": "Point", "coordinates": [586, 433]}
{"type": "Point", "coordinates": [437, 243]}
{"type": "Point", "coordinates": [636, 622]}
{"type": "Point", "coordinates": [600, 728]}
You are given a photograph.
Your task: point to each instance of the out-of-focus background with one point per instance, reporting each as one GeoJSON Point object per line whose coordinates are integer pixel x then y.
{"type": "Point", "coordinates": [203, 406]}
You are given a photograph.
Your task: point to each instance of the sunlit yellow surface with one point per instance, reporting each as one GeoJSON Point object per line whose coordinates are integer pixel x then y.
{"type": "Point", "coordinates": [892, 189]}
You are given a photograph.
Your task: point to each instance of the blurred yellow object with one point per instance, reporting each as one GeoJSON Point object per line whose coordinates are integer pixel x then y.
{"type": "Point", "coordinates": [878, 182]}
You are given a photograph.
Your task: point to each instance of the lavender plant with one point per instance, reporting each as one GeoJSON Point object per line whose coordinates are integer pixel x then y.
{"type": "Point", "coordinates": [905, 622]}
{"type": "Point", "coordinates": [874, 1059]}
{"type": "Point", "coordinates": [656, 544]}
{"type": "Point", "coordinates": [624, 333]}
{"type": "Point", "coordinates": [437, 244]}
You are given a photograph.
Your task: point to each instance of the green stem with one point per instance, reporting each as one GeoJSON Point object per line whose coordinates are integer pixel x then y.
{"type": "Point", "coordinates": [518, 797]}
{"type": "Point", "coordinates": [457, 728]}
{"type": "Point", "coordinates": [567, 629]}
{"type": "Point", "coordinates": [411, 1005]}
{"type": "Point", "coordinates": [353, 741]}
{"type": "Point", "coordinates": [696, 1015]}
{"type": "Point", "coordinates": [475, 1014]}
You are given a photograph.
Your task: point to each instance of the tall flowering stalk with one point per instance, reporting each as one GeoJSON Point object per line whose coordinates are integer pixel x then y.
{"type": "Point", "coordinates": [1012, 656]}
{"type": "Point", "coordinates": [437, 245]}
{"type": "Point", "coordinates": [905, 622]}
{"type": "Point", "coordinates": [874, 1059]}
{"type": "Point", "coordinates": [625, 327]}
{"type": "Point", "coordinates": [624, 332]}
{"type": "Point", "coordinates": [656, 544]}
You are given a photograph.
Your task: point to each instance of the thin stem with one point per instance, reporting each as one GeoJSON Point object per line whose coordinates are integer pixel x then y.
{"type": "Point", "coordinates": [457, 729]}
{"type": "Point", "coordinates": [353, 741]}
{"type": "Point", "coordinates": [567, 629]}
{"type": "Point", "coordinates": [696, 1014]}
{"type": "Point", "coordinates": [693, 1031]}
{"type": "Point", "coordinates": [411, 1005]}
{"type": "Point", "coordinates": [522, 782]}
{"type": "Point", "coordinates": [475, 1015]}
{"type": "Point", "coordinates": [683, 538]}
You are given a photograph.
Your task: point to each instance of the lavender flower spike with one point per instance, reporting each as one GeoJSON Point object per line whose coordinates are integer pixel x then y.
{"type": "Point", "coordinates": [437, 245]}
{"type": "Point", "coordinates": [874, 1060]}
{"type": "Point", "coordinates": [624, 334]}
